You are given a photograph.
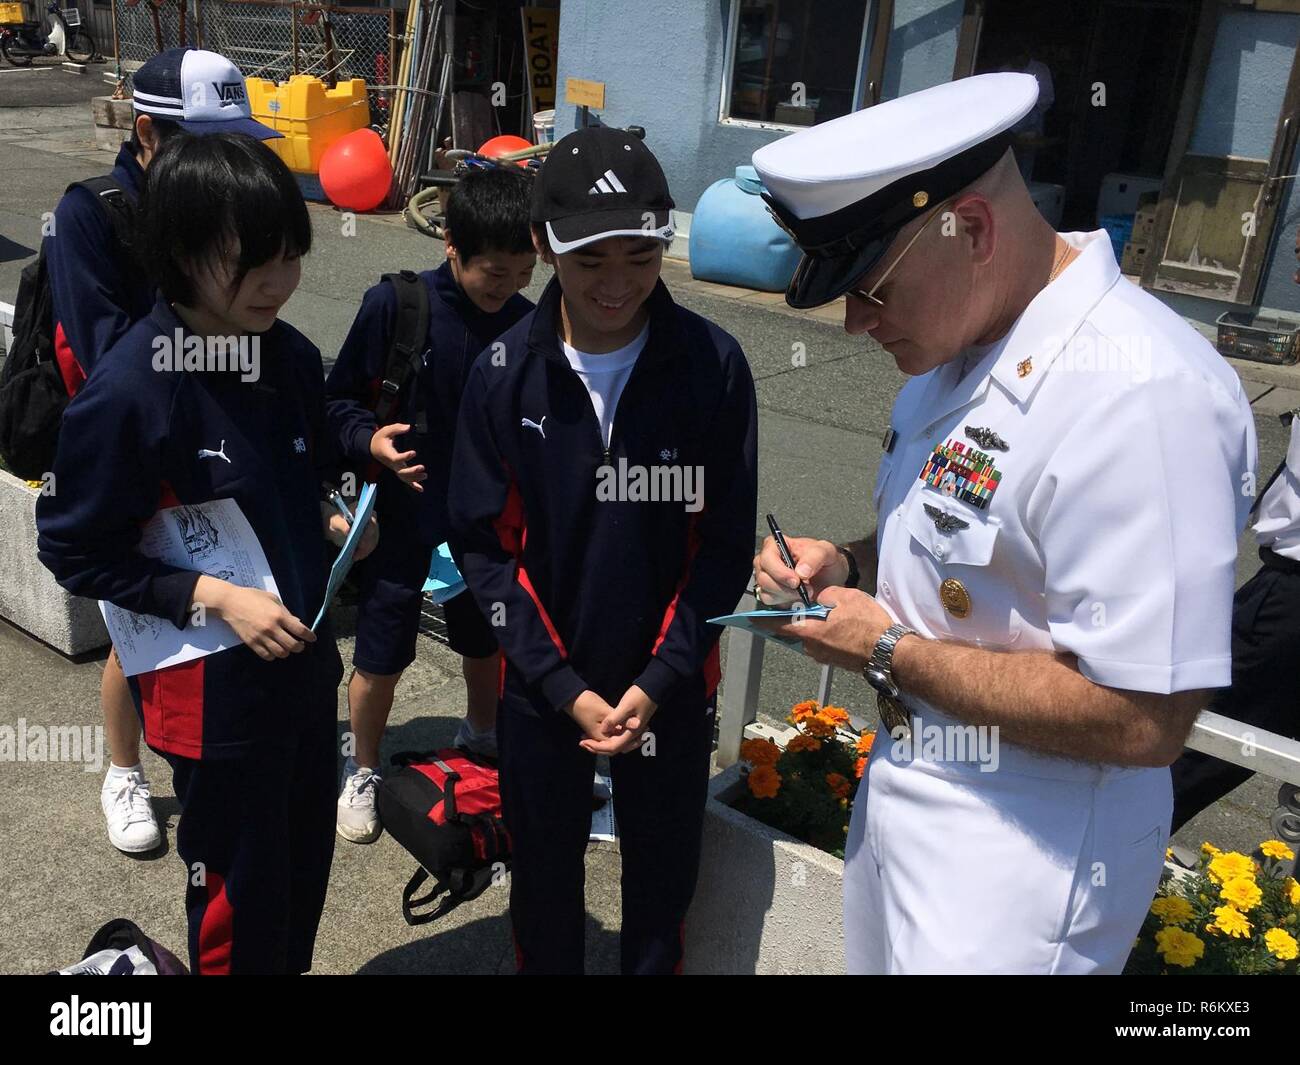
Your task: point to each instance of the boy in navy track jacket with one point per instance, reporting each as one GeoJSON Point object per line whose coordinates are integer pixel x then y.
{"type": "Point", "coordinates": [249, 731]}
{"type": "Point", "coordinates": [472, 298]}
{"type": "Point", "coordinates": [603, 492]}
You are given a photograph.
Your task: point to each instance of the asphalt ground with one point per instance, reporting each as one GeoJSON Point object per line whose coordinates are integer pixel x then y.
{"type": "Point", "coordinates": [819, 439]}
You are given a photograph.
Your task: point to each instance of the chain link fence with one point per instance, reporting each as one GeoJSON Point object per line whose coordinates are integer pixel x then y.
{"type": "Point", "coordinates": [270, 39]}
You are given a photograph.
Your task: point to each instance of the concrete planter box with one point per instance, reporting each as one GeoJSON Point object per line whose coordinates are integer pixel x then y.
{"type": "Point", "coordinates": [29, 597]}
{"type": "Point", "coordinates": [765, 903]}
{"type": "Point", "coordinates": [113, 122]}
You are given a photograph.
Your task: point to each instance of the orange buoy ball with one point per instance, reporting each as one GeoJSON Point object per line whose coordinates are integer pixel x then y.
{"type": "Point", "coordinates": [504, 145]}
{"type": "Point", "coordinates": [355, 172]}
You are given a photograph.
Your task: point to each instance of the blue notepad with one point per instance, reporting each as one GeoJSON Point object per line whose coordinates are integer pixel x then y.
{"type": "Point", "coordinates": [748, 620]}
{"type": "Point", "coordinates": [444, 581]}
{"type": "Point", "coordinates": [361, 516]}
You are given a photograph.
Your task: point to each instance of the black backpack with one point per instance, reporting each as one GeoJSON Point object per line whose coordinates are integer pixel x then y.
{"type": "Point", "coordinates": [32, 392]}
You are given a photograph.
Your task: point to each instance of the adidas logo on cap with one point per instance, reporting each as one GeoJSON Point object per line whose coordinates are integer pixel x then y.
{"type": "Point", "coordinates": [607, 182]}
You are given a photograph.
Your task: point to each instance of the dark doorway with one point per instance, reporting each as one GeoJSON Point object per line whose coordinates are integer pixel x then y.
{"type": "Point", "coordinates": [1137, 51]}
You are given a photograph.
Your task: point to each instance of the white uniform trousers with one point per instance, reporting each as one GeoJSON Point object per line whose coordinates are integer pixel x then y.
{"type": "Point", "coordinates": [953, 870]}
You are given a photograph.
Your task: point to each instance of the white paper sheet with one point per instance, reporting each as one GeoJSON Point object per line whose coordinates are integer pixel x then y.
{"type": "Point", "coordinates": [603, 825]}
{"type": "Point", "coordinates": [213, 538]}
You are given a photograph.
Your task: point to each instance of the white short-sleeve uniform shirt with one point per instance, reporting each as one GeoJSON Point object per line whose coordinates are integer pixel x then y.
{"type": "Point", "coordinates": [1080, 488]}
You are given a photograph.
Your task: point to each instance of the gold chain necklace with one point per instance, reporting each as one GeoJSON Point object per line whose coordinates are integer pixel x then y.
{"type": "Point", "coordinates": [1057, 268]}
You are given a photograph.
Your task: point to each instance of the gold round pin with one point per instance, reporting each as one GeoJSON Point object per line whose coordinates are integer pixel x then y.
{"type": "Point", "coordinates": [1024, 369]}
{"type": "Point", "coordinates": [955, 598]}
{"type": "Point", "coordinates": [920, 199]}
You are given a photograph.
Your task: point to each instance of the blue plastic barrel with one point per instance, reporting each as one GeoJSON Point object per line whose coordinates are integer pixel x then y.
{"type": "Point", "coordinates": [734, 241]}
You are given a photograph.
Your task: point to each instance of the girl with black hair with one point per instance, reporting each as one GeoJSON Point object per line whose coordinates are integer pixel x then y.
{"type": "Point", "coordinates": [212, 397]}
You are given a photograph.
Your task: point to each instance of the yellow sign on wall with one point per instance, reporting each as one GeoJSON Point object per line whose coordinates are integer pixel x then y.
{"type": "Point", "coordinates": [582, 93]}
{"type": "Point", "coordinates": [542, 40]}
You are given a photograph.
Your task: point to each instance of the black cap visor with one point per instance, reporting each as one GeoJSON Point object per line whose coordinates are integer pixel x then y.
{"type": "Point", "coordinates": [819, 279]}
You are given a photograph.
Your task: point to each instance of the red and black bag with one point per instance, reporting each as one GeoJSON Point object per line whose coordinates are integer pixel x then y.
{"type": "Point", "coordinates": [445, 808]}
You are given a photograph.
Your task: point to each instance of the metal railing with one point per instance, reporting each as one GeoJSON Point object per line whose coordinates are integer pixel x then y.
{"type": "Point", "coordinates": [1213, 734]}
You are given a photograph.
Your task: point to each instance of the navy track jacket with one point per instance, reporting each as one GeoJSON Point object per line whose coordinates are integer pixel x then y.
{"type": "Point", "coordinates": [599, 593]}
{"type": "Point", "coordinates": [458, 331]}
{"type": "Point", "coordinates": [97, 292]}
{"type": "Point", "coordinates": [132, 442]}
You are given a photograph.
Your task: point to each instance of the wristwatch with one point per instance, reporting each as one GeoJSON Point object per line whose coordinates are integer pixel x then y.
{"type": "Point", "coordinates": [880, 675]}
{"type": "Point", "coordinates": [851, 581]}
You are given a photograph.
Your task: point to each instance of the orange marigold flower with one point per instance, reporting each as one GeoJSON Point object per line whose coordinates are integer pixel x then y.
{"type": "Point", "coordinates": [802, 711]}
{"type": "Point", "coordinates": [859, 767]}
{"type": "Point", "coordinates": [836, 715]}
{"type": "Point", "coordinates": [863, 746]}
{"type": "Point", "coordinates": [838, 784]}
{"type": "Point", "coordinates": [818, 726]}
{"type": "Point", "coordinates": [802, 743]}
{"type": "Point", "coordinates": [764, 782]}
{"type": "Point", "coordinates": [760, 752]}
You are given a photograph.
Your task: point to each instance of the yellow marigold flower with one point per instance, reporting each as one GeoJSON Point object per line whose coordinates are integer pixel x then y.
{"type": "Point", "coordinates": [839, 785]}
{"type": "Point", "coordinates": [1281, 945]}
{"type": "Point", "coordinates": [1242, 892]}
{"type": "Point", "coordinates": [1210, 850]}
{"type": "Point", "coordinates": [1179, 947]}
{"type": "Point", "coordinates": [818, 726]}
{"type": "Point", "coordinates": [1292, 891]}
{"type": "Point", "coordinates": [803, 743]}
{"type": "Point", "coordinates": [1275, 848]}
{"type": "Point", "coordinates": [836, 715]}
{"type": "Point", "coordinates": [760, 752]}
{"type": "Point", "coordinates": [865, 742]}
{"type": "Point", "coordinates": [764, 782]}
{"type": "Point", "coordinates": [1228, 866]}
{"type": "Point", "coordinates": [859, 767]}
{"type": "Point", "coordinates": [802, 711]}
{"type": "Point", "coordinates": [1172, 910]}
{"type": "Point", "coordinates": [1231, 920]}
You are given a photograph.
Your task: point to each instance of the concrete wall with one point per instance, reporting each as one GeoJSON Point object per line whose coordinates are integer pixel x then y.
{"type": "Point", "coordinates": [663, 61]}
{"type": "Point", "coordinates": [1240, 105]}
{"type": "Point", "coordinates": [662, 65]}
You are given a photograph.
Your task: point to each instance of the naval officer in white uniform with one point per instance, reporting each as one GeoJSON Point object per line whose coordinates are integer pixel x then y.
{"type": "Point", "coordinates": [1059, 500]}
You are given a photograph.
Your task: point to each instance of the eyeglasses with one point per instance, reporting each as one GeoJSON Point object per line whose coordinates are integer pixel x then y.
{"type": "Point", "coordinates": [871, 296]}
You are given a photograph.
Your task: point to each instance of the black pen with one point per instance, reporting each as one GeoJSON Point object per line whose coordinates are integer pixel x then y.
{"type": "Point", "coordinates": [786, 557]}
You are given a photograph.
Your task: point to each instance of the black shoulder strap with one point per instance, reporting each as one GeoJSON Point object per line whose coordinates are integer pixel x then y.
{"type": "Point", "coordinates": [113, 201]}
{"type": "Point", "coordinates": [1259, 496]}
{"type": "Point", "coordinates": [407, 349]}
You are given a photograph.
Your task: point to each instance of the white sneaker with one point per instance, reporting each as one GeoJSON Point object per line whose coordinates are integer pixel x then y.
{"type": "Point", "coordinates": [484, 743]}
{"type": "Point", "coordinates": [128, 809]}
{"type": "Point", "coordinates": [358, 818]}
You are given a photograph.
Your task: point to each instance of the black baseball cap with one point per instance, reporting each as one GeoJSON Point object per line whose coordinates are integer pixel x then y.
{"type": "Point", "coordinates": [601, 182]}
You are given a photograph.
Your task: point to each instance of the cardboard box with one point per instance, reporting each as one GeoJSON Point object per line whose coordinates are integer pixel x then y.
{"type": "Point", "coordinates": [1134, 258]}
{"type": "Point", "coordinates": [1144, 225]}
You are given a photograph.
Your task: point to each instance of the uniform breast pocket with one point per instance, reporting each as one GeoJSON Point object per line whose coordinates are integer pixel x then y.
{"type": "Point", "coordinates": [955, 572]}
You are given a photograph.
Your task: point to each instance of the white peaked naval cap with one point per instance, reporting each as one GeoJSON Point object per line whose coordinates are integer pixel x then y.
{"type": "Point", "coordinates": [844, 188]}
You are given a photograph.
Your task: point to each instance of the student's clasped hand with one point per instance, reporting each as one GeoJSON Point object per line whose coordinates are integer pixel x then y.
{"type": "Point", "coordinates": [613, 729]}
{"type": "Point", "coordinates": [384, 449]}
